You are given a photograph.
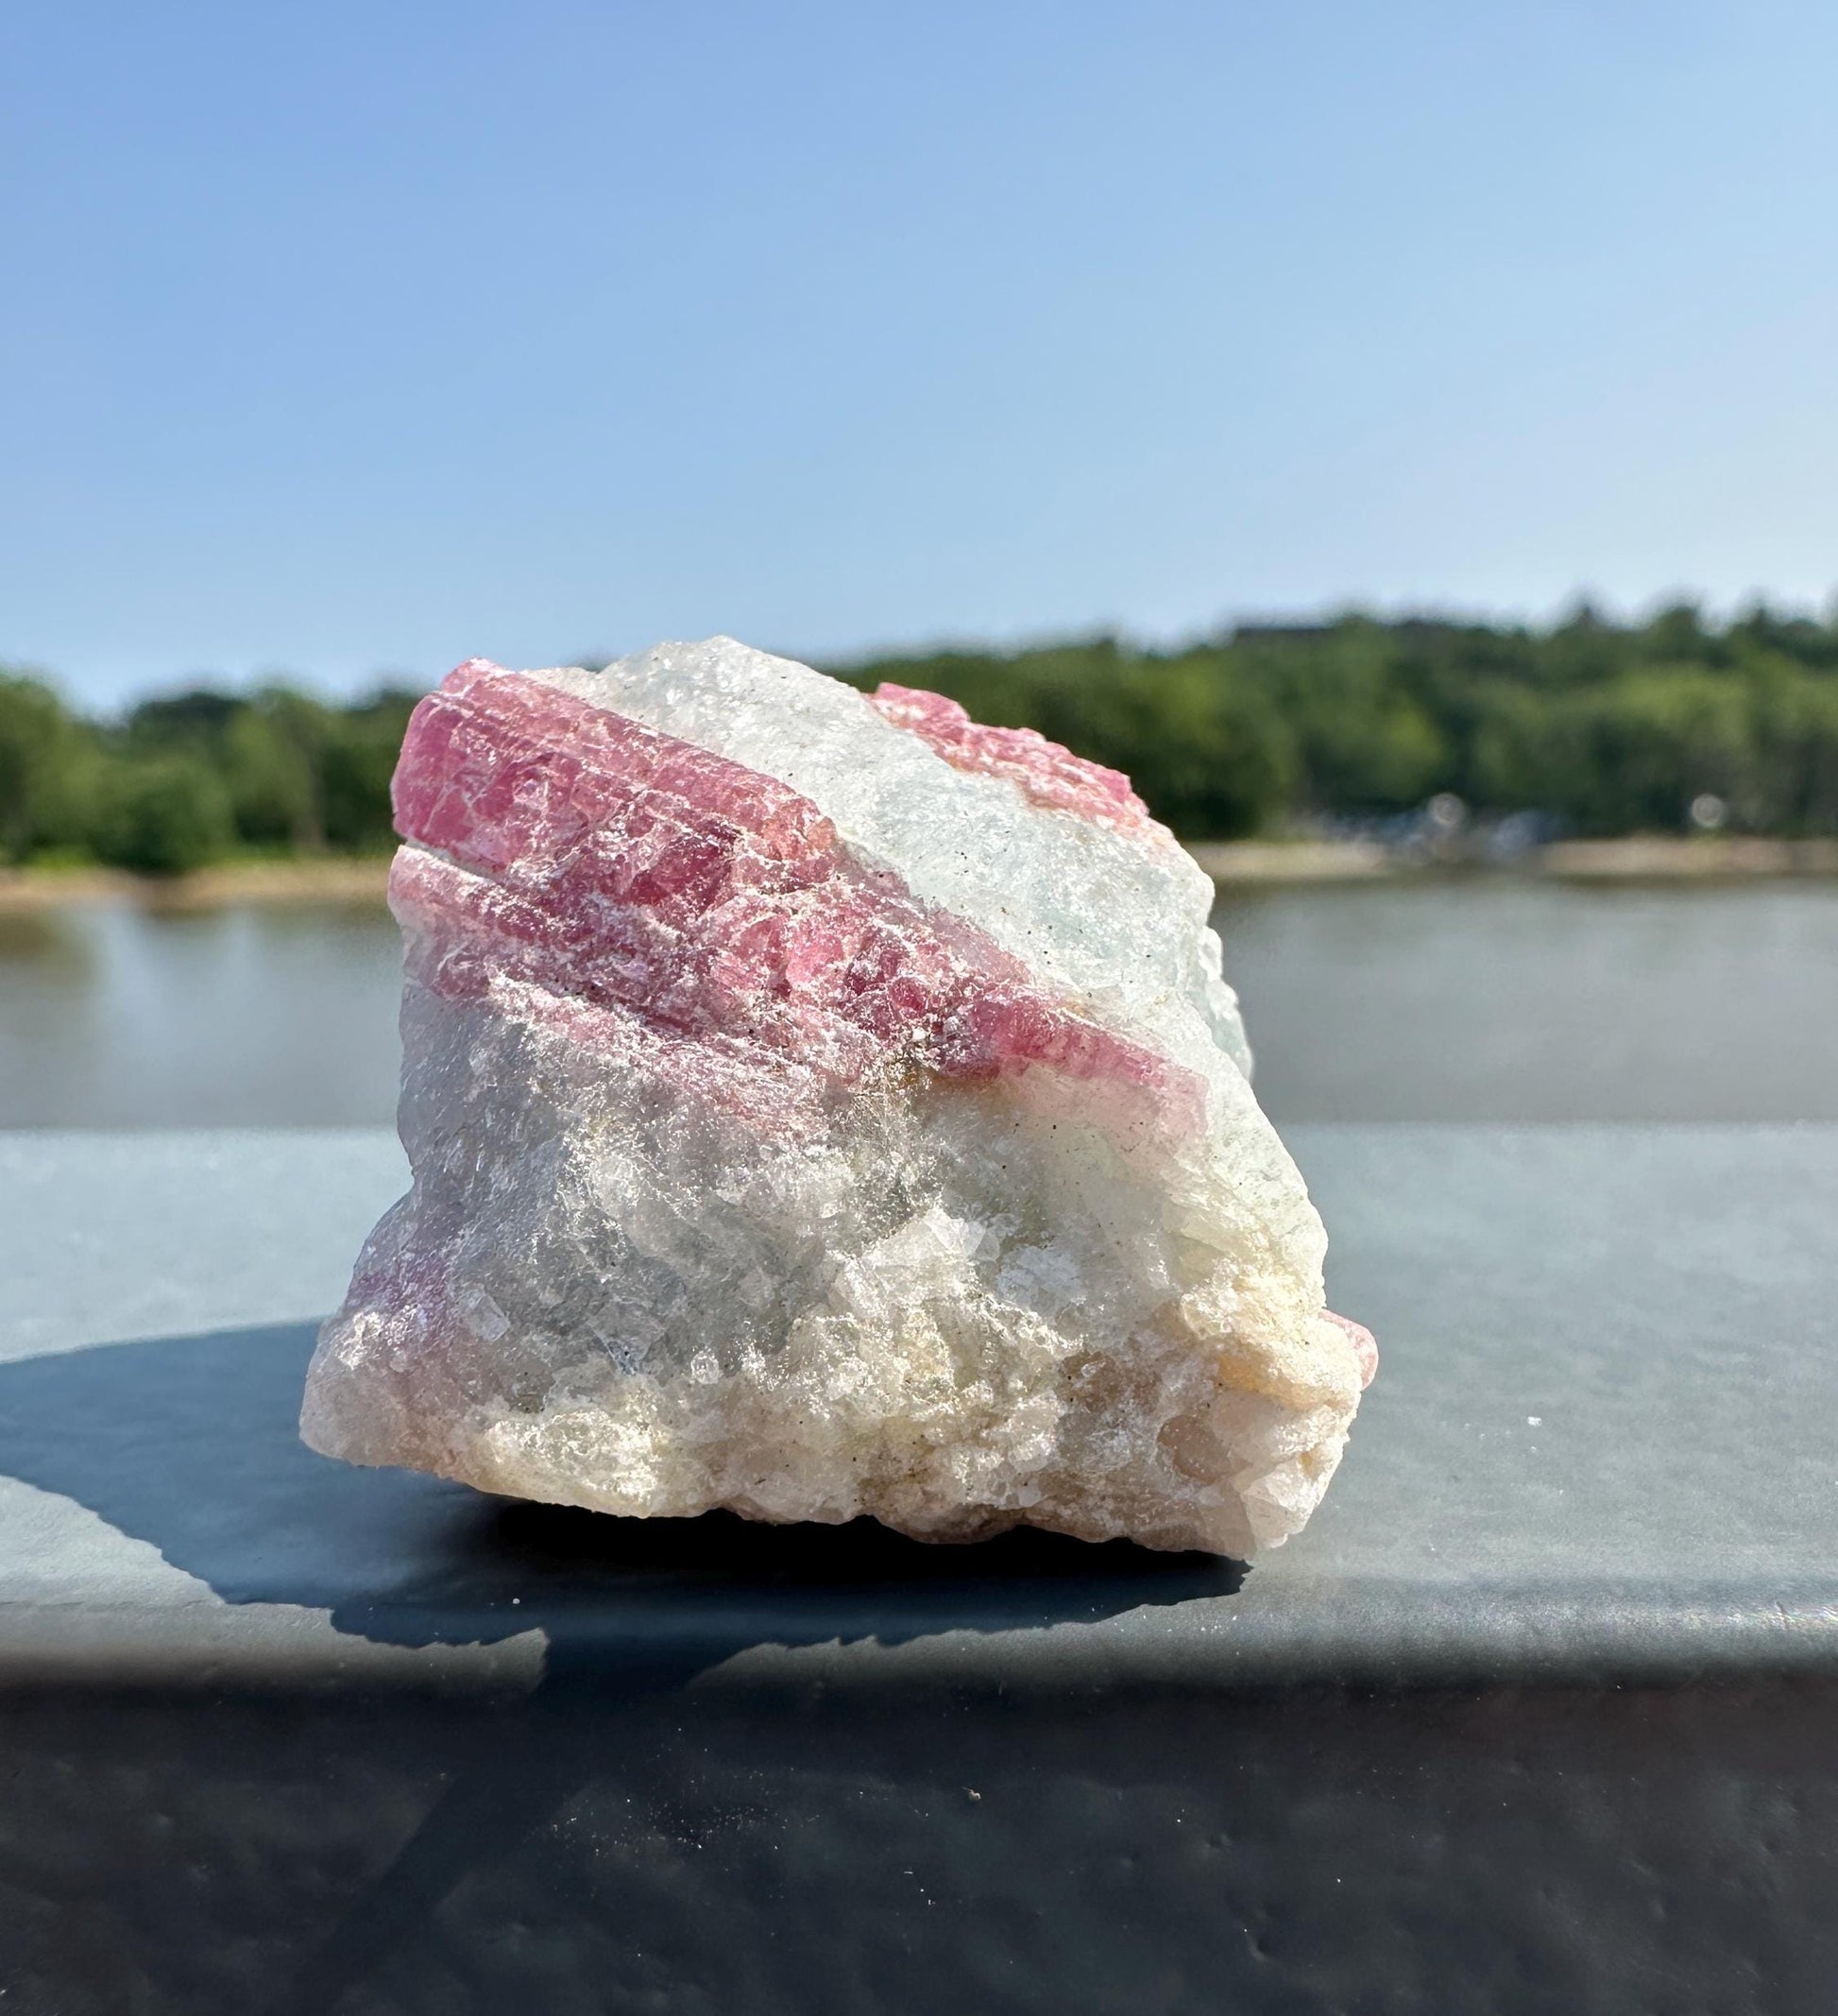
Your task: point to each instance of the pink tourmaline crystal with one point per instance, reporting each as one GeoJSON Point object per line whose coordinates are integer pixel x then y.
{"type": "Point", "coordinates": [1047, 774]}
{"type": "Point", "coordinates": [822, 1105]}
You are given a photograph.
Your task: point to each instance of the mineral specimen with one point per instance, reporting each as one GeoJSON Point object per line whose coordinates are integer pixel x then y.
{"type": "Point", "coordinates": [819, 1106]}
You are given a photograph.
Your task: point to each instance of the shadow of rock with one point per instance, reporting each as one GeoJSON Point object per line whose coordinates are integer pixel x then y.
{"type": "Point", "coordinates": [190, 1442]}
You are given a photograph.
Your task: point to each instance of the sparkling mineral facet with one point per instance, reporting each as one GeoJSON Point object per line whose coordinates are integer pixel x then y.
{"type": "Point", "coordinates": [823, 1105]}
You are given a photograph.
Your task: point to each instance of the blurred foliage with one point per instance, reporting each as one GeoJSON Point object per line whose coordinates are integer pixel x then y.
{"type": "Point", "coordinates": [163, 815]}
{"type": "Point", "coordinates": [194, 776]}
{"type": "Point", "coordinates": [1604, 727]}
{"type": "Point", "coordinates": [45, 759]}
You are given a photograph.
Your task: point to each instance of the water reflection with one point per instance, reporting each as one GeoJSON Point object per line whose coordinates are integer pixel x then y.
{"type": "Point", "coordinates": [46, 937]}
{"type": "Point", "coordinates": [1494, 999]}
{"type": "Point", "coordinates": [233, 1017]}
{"type": "Point", "coordinates": [1491, 999]}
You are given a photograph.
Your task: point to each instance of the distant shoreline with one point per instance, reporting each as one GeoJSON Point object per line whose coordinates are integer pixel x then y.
{"type": "Point", "coordinates": [1634, 858]}
{"type": "Point", "coordinates": [1231, 864]}
{"type": "Point", "coordinates": [230, 883]}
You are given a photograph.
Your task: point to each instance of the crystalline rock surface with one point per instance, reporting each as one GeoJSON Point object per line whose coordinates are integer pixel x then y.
{"type": "Point", "coordinates": [822, 1105]}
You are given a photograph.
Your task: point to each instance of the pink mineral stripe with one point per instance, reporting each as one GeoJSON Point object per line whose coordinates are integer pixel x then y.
{"type": "Point", "coordinates": [1365, 1345]}
{"type": "Point", "coordinates": [1047, 774]}
{"type": "Point", "coordinates": [564, 848]}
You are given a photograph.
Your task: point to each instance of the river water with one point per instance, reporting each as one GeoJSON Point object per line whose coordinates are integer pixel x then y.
{"type": "Point", "coordinates": [1483, 1000]}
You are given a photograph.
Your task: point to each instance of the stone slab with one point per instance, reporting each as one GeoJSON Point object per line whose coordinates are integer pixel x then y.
{"type": "Point", "coordinates": [1538, 1713]}
{"type": "Point", "coordinates": [1599, 1448]}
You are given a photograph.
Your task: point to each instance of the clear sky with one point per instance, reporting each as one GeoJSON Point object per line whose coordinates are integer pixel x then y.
{"type": "Point", "coordinates": [361, 336]}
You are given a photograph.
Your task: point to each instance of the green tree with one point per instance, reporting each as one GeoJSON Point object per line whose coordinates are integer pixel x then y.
{"type": "Point", "coordinates": [162, 814]}
{"type": "Point", "coordinates": [1365, 741]}
{"type": "Point", "coordinates": [1626, 757]}
{"type": "Point", "coordinates": [44, 760]}
{"type": "Point", "coordinates": [357, 762]}
{"type": "Point", "coordinates": [271, 782]}
{"type": "Point", "coordinates": [1796, 732]}
{"type": "Point", "coordinates": [1207, 752]}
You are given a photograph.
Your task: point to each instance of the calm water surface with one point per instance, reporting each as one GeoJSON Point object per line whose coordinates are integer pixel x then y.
{"type": "Point", "coordinates": [271, 1016]}
{"type": "Point", "coordinates": [1505, 1000]}
{"type": "Point", "coordinates": [1487, 999]}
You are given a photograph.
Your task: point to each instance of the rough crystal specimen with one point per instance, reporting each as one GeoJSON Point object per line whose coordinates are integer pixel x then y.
{"type": "Point", "coordinates": [822, 1105]}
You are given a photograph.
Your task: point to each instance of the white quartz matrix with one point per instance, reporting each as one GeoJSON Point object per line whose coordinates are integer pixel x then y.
{"type": "Point", "coordinates": [822, 1105]}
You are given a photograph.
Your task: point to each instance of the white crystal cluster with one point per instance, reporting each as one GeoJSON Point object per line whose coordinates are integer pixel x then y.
{"type": "Point", "coordinates": [819, 1106]}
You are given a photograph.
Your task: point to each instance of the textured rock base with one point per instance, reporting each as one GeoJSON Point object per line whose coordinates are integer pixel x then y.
{"type": "Point", "coordinates": [822, 1105]}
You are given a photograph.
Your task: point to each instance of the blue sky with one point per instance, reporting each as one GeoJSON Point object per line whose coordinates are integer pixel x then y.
{"type": "Point", "coordinates": [364, 337]}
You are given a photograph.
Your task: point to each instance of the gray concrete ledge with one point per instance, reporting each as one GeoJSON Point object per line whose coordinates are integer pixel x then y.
{"type": "Point", "coordinates": [1542, 1712]}
{"type": "Point", "coordinates": [1599, 1451]}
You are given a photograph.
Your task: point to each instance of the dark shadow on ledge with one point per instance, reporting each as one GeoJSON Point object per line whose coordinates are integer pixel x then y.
{"type": "Point", "coordinates": [192, 1443]}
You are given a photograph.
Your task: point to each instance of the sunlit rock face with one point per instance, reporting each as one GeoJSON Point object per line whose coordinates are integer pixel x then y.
{"type": "Point", "coordinates": [822, 1105]}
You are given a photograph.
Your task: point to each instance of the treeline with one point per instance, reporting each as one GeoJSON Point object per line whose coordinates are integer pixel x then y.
{"type": "Point", "coordinates": [184, 781]}
{"type": "Point", "coordinates": [1603, 728]}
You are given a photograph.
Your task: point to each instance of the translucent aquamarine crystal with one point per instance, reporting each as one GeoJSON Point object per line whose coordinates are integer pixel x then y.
{"type": "Point", "coordinates": [823, 1105]}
